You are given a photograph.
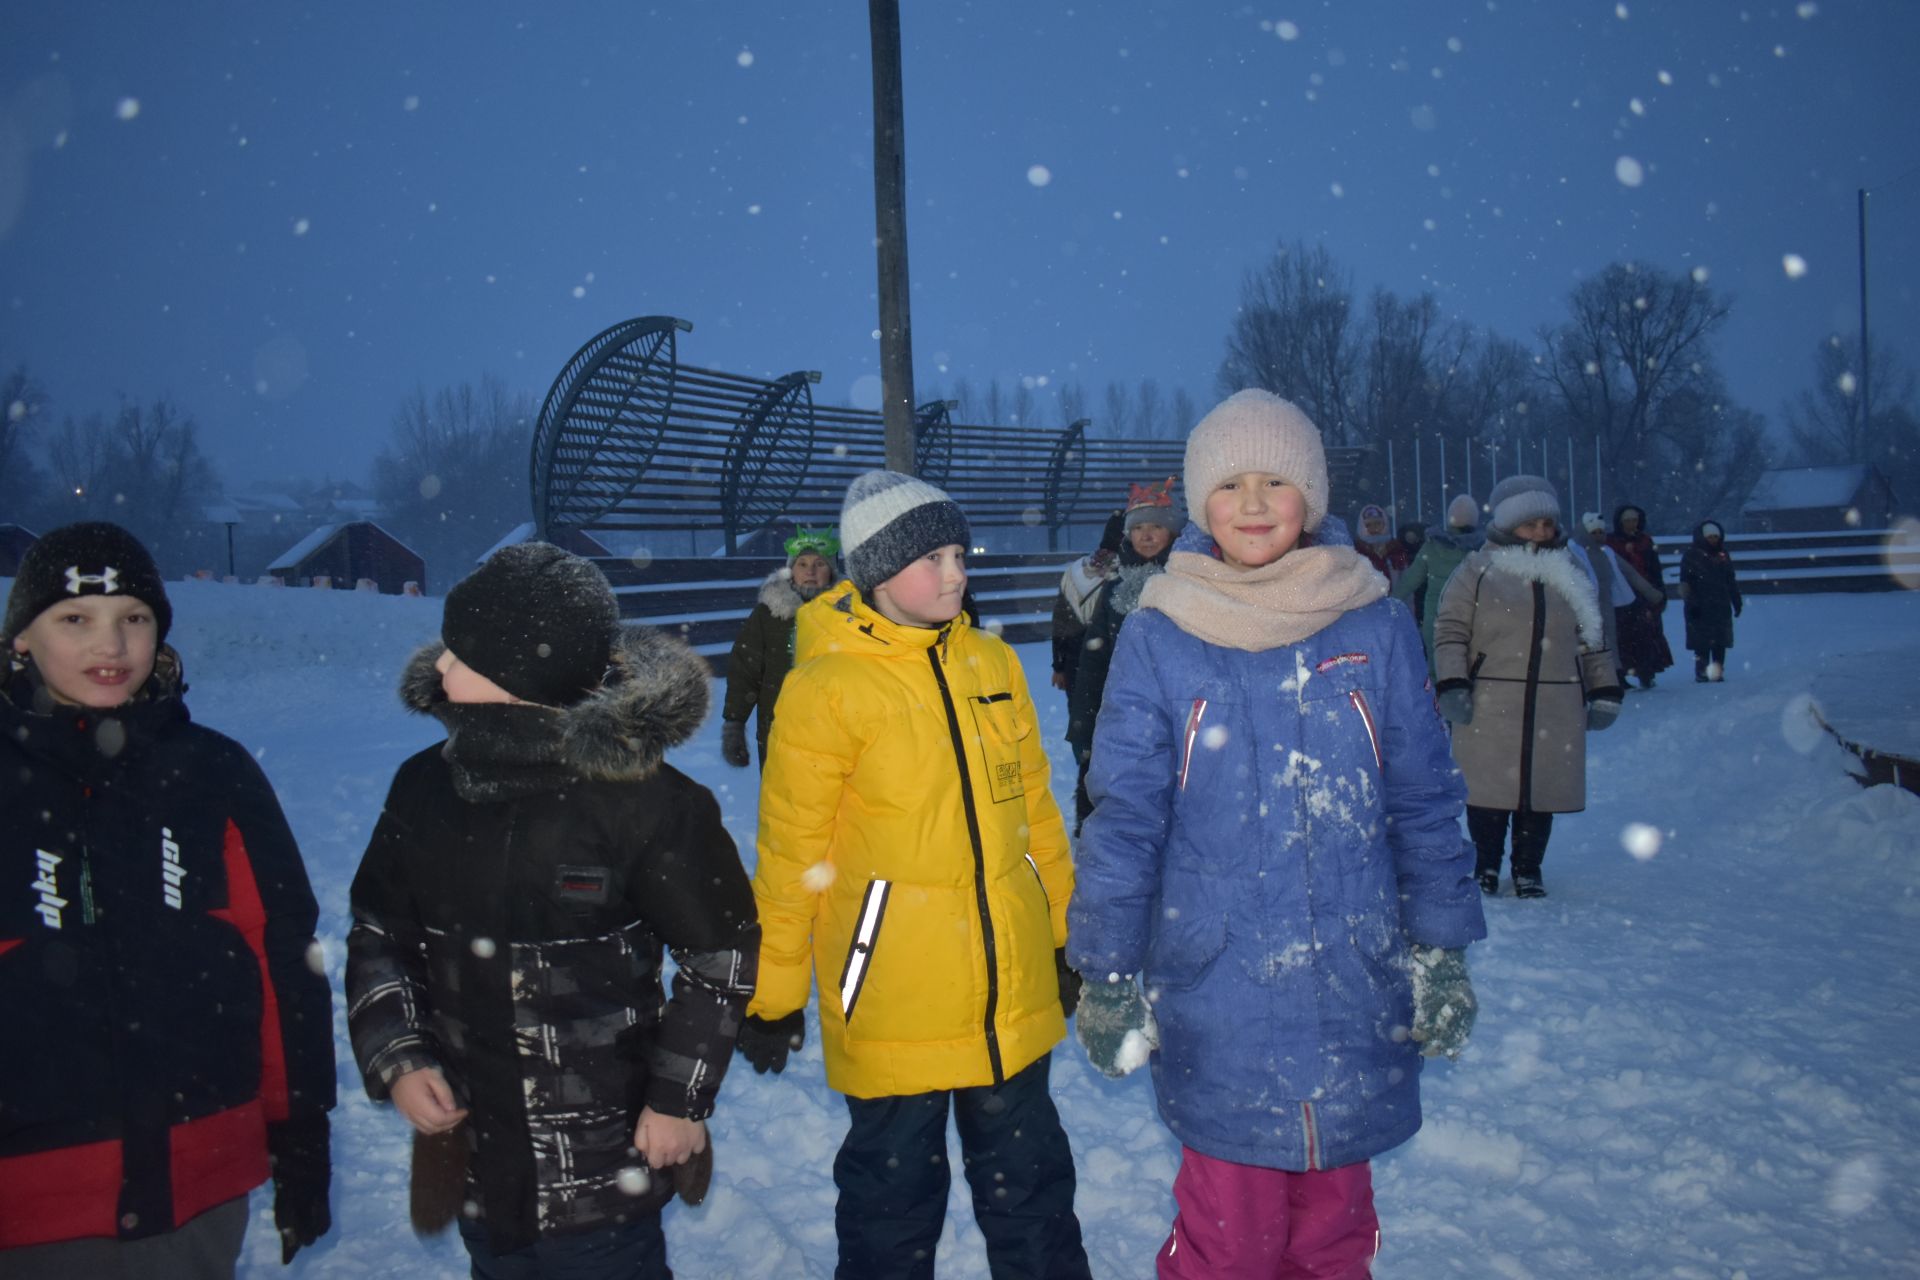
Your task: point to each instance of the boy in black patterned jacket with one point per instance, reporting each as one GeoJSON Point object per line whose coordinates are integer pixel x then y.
{"type": "Point", "coordinates": [504, 966]}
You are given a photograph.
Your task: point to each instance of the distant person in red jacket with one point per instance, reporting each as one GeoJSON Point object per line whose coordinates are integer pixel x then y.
{"type": "Point", "coordinates": [169, 1033]}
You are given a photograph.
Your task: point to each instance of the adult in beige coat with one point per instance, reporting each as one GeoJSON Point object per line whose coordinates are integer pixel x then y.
{"type": "Point", "coordinates": [1522, 672]}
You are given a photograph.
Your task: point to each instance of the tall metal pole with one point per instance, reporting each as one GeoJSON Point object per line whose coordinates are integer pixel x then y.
{"type": "Point", "coordinates": [890, 234]}
{"type": "Point", "coordinates": [1443, 471]}
{"type": "Point", "coordinates": [1393, 494]}
{"type": "Point", "coordinates": [1419, 484]}
{"type": "Point", "coordinates": [1572, 489]}
{"type": "Point", "coordinates": [1866, 347]}
{"type": "Point", "coordinates": [1469, 488]}
{"type": "Point", "coordinates": [1598, 504]}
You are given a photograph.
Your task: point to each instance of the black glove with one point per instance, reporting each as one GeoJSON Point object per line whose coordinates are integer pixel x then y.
{"type": "Point", "coordinates": [733, 743]}
{"type": "Point", "coordinates": [766, 1044]}
{"type": "Point", "coordinates": [1069, 982]}
{"type": "Point", "coordinates": [1737, 605]}
{"type": "Point", "coordinates": [1456, 705]}
{"type": "Point", "coordinates": [302, 1171]}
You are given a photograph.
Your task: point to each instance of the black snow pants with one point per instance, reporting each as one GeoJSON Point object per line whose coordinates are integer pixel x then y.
{"type": "Point", "coordinates": [893, 1179]}
{"type": "Point", "coordinates": [1488, 827]}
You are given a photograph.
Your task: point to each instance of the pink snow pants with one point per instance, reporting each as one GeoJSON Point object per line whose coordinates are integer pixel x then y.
{"type": "Point", "coordinates": [1239, 1222]}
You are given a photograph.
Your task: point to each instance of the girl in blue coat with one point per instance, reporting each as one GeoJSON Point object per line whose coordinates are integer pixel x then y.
{"type": "Point", "coordinates": [1273, 895]}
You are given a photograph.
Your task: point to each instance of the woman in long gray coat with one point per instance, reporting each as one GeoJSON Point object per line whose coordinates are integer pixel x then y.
{"type": "Point", "coordinates": [1522, 674]}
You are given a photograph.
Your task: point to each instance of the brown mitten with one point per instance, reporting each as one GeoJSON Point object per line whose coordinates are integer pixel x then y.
{"type": "Point", "coordinates": [691, 1176]}
{"type": "Point", "coordinates": [439, 1185]}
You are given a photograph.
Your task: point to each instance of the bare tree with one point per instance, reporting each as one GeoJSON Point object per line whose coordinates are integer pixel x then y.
{"type": "Point", "coordinates": [452, 479]}
{"type": "Point", "coordinates": [1071, 402]}
{"type": "Point", "coordinates": [22, 490]}
{"type": "Point", "coordinates": [1827, 424]}
{"type": "Point", "coordinates": [1119, 412]}
{"type": "Point", "coordinates": [1182, 413]}
{"type": "Point", "coordinates": [1149, 410]}
{"type": "Point", "coordinates": [1291, 335]}
{"type": "Point", "coordinates": [1635, 339]}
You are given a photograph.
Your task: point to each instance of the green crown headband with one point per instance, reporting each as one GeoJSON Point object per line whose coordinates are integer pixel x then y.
{"type": "Point", "coordinates": [820, 541]}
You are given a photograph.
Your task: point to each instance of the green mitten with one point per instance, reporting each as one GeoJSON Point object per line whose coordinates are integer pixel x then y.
{"type": "Point", "coordinates": [1443, 1003]}
{"type": "Point", "coordinates": [1115, 1026]}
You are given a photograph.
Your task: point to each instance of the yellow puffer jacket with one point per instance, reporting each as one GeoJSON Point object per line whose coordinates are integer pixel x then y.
{"type": "Point", "coordinates": [911, 854]}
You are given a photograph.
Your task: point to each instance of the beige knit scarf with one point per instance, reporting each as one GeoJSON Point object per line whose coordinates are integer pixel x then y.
{"type": "Point", "coordinates": [1278, 604]}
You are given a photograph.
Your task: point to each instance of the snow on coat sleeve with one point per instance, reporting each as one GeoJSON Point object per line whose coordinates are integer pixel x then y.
{"type": "Point", "coordinates": [1117, 870]}
{"type": "Point", "coordinates": [298, 1035]}
{"type": "Point", "coordinates": [389, 1014]}
{"type": "Point", "coordinates": [810, 756]}
{"type": "Point", "coordinates": [1423, 796]}
{"type": "Point", "coordinates": [1046, 829]}
{"type": "Point", "coordinates": [696, 899]}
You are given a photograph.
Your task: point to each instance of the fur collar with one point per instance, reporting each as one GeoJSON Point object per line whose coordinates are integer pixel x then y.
{"type": "Point", "coordinates": [779, 594]}
{"type": "Point", "coordinates": [1556, 568]}
{"type": "Point", "coordinates": [655, 697]}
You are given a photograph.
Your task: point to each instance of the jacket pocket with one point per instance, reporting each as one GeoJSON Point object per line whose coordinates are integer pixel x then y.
{"type": "Point", "coordinates": [1000, 730]}
{"type": "Point", "coordinates": [913, 968]}
{"type": "Point", "coordinates": [1184, 949]}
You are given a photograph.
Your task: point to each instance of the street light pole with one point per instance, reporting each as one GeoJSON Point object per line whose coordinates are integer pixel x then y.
{"type": "Point", "coordinates": [1866, 347]}
{"type": "Point", "coordinates": [890, 234]}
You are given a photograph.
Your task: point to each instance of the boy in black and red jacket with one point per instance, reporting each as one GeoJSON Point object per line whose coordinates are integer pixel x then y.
{"type": "Point", "coordinates": [169, 1031]}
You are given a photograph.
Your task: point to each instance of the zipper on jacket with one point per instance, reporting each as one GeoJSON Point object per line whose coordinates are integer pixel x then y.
{"type": "Point", "coordinates": [1534, 656]}
{"type": "Point", "coordinates": [979, 862]}
{"type": "Point", "coordinates": [1310, 1130]}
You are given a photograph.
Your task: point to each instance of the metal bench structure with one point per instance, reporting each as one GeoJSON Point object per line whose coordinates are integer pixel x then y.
{"type": "Point", "coordinates": [631, 439]}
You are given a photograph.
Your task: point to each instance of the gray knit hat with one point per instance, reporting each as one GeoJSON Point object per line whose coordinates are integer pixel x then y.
{"type": "Point", "coordinates": [1463, 512]}
{"type": "Point", "coordinates": [1255, 430]}
{"type": "Point", "coordinates": [890, 520]}
{"type": "Point", "coordinates": [1518, 499]}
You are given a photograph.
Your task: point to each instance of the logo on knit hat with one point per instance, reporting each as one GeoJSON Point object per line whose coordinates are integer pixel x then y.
{"type": "Point", "coordinates": [108, 580]}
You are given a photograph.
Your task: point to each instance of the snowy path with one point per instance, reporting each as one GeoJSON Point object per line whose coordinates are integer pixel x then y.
{"type": "Point", "coordinates": [1699, 1064]}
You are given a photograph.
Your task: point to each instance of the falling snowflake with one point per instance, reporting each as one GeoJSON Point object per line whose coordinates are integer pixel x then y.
{"type": "Point", "coordinates": [1629, 171]}
{"type": "Point", "coordinates": [1641, 840]}
{"type": "Point", "coordinates": [1794, 265]}
{"type": "Point", "coordinates": [1039, 175]}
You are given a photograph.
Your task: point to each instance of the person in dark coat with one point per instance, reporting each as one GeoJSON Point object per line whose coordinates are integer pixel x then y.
{"type": "Point", "coordinates": [168, 1031]}
{"type": "Point", "coordinates": [763, 651]}
{"type": "Point", "coordinates": [1079, 592]}
{"type": "Point", "coordinates": [1712, 601]}
{"type": "Point", "coordinates": [1373, 538]}
{"type": "Point", "coordinates": [1523, 673]}
{"type": "Point", "coordinates": [1644, 652]}
{"type": "Point", "coordinates": [1150, 525]}
{"type": "Point", "coordinates": [504, 965]}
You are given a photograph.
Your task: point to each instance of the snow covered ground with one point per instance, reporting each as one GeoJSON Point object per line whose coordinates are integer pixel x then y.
{"type": "Point", "coordinates": [1697, 1059]}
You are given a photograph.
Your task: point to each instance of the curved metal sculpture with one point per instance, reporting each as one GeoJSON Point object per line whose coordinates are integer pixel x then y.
{"type": "Point", "coordinates": [767, 455]}
{"type": "Point", "coordinates": [1066, 479]}
{"type": "Point", "coordinates": [602, 421]}
{"type": "Point", "coordinates": [933, 441]}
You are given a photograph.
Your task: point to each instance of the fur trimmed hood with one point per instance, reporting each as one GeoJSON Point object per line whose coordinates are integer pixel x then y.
{"type": "Point", "coordinates": [655, 697]}
{"type": "Point", "coordinates": [779, 594]}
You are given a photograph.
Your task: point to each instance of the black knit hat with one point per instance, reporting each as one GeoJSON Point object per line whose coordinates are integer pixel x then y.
{"type": "Point", "coordinates": [537, 621]}
{"type": "Point", "coordinates": [91, 559]}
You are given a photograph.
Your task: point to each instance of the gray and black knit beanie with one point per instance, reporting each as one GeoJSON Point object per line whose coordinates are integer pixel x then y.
{"type": "Point", "coordinates": [90, 559]}
{"type": "Point", "coordinates": [890, 520]}
{"type": "Point", "coordinates": [1518, 499]}
{"type": "Point", "coordinates": [537, 621]}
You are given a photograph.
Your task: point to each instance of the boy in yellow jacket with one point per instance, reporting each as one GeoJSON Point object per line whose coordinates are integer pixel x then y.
{"type": "Point", "coordinates": [911, 854]}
